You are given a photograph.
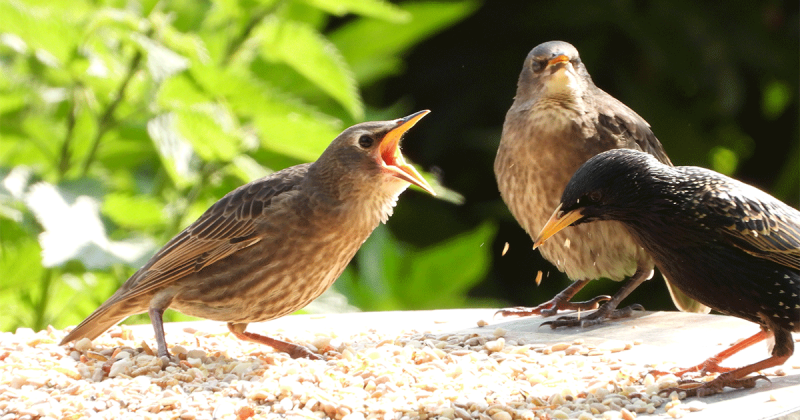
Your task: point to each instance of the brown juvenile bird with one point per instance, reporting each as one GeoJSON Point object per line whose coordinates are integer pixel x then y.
{"type": "Point", "coordinates": [726, 244]}
{"type": "Point", "coordinates": [559, 119]}
{"type": "Point", "coordinates": [270, 247]}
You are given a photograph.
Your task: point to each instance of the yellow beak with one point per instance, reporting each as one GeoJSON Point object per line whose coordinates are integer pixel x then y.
{"type": "Point", "coordinates": [560, 59]}
{"type": "Point", "coordinates": [393, 160]}
{"type": "Point", "coordinates": [558, 221]}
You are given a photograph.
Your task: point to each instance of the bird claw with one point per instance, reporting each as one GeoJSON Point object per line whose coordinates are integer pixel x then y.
{"type": "Point", "coordinates": [594, 318]}
{"type": "Point", "coordinates": [301, 352]}
{"type": "Point", "coordinates": [552, 307]}
{"type": "Point", "coordinates": [703, 369]}
{"type": "Point", "coordinates": [704, 389]}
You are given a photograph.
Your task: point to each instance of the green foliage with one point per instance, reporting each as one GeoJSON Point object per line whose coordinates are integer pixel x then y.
{"type": "Point", "coordinates": [120, 123]}
{"type": "Point", "coordinates": [392, 275]}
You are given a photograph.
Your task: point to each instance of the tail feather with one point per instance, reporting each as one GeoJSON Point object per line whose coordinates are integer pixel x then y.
{"type": "Point", "coordinates": [685, 303]}
{"type": "Point", "coordinates": [97, 323]}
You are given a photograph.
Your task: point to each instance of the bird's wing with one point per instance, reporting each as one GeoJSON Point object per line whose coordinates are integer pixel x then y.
{"type": "Point", "coordinates": [757, 223]}
{"type": "Point", "coordinates": [627, 129]}
{"type": "Point", "coordinates": [226, 227]}
{"type": "Point", "coordinates": [630, 130]}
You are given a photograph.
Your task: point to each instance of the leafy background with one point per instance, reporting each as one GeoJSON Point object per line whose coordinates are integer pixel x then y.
{"type": "Point", "coordinates": [122, 121]}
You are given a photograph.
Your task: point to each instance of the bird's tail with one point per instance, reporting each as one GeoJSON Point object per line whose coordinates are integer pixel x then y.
{"type": "Point", "coordinates": [685, 303]}
{"type": "Point", "coordinates": [105, 317]}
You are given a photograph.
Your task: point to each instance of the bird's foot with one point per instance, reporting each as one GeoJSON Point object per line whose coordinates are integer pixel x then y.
{"type": "Point", "coordinates": [704, 389]}
{"type": "Point", "coordinates": [295, 351]}
{"type": "Point", "coordinates": [595, 318]}
{"type": "Point", "coordinates": [300, 352]}
{"type": "Point", "coordinates": [709, 366]}
{"type": "Point", "coordinates": [552, 307]}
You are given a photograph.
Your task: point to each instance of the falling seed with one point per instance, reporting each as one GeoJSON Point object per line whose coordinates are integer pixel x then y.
{"type": "Point", "coordinates": [505, 249]}
{"type": "Point", "coordinates": [539, 277]}
{"type": "Point", "coordinates": [566, 243]}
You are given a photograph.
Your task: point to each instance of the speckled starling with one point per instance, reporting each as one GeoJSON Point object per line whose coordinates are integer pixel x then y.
{"type": "Point", "coordinates": [270, 247]}
{"type": "Point", "coordinates": [724, 243]}
{"type": "Point", "coordinates": [558, 120]}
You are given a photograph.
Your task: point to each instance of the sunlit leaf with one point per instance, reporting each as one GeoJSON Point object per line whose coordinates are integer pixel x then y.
{"type": "Point", "coordinates": [378, 9]}
{"type": "Point", "coordinates": [175, 151]}
{"type": "Point", "coordinates": [310, 54]}
{"type": "Point", "coordinates": [392, 275]}
{"type": "Point", "coordinates": [210, 130]}
{"type": "Point", "coordinates": [777, 96]}
{"type": "Point", "coordinates": [469, 252]}
{"type": "Point", "coordinates": [133, 212]}
{"type": "Point", "coordinates": [284, 124]}
{"type": "Point", "coordinates": [73, 231]}
{"type": "Point", "coordinates": [162, 62]}
{"type": "Point", "coordinates": [723, 160]}
{"type": "Point", "coordinates": [364, 42]}
{"type": "Point", "coordinates": [46, 31]}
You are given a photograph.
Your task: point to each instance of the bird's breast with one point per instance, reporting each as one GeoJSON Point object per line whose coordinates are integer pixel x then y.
{"type": "Point", "coordinates": [540, 149]}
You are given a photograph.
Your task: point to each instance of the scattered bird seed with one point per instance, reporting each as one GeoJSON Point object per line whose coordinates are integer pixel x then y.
{"type": "Point", "coordinates": [368, 374]}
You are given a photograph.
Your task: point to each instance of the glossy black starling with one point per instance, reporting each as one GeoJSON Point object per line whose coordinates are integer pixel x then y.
{"type": "Point", "coordinates": [724, 243]}
{"type": "Point", "coordinates": [270, 247]}
{"type": "Point", "coordinates": [559, 119]}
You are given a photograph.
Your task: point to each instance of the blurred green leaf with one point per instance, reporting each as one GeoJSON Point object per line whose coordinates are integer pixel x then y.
{"type": "Point", "coordinates": [312, 55]}
{"type": "Point", "coordinates": [174, 150]}
{"type": "Point", "coordinates": [210, 130]}
{"type": "Point", "coordinates": [429, 277]}
{"type": "Point", "coordinates": [723, 160]}
{"type": "Point", "coordinates": [48, 34]}
{"type": "Point", "coordinates": [777, 96]}
{"type": "Point", "coordinates": [133, 212]}
{"type": "Point", "coordinates": [73, 231]}
{"type": "Point", "coordinates": [378, 9]}
{"type": "Point", "coordinates": [394, 276]}
{"type": "Point", "coordinates": [366, 43]}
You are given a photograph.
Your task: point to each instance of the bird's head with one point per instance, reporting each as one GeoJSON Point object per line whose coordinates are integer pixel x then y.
{"type": "Point", "coordinates": [367, 157]}
{"type": "Point", "coordinates": [617, 184]}
{"type": "Point", "coordinates": [553, 69]}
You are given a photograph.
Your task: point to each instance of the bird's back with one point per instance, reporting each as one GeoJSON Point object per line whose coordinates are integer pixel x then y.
{"type": "Point", "coordinates": [722, 242]}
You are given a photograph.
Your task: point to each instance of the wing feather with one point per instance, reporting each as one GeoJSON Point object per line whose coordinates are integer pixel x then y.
{"type": "Point", "coordinates": [226, 227]}
{"type": "Point", "coordinates": [757, 223]}
{"type": "Point", "coordinates": [628, 128]}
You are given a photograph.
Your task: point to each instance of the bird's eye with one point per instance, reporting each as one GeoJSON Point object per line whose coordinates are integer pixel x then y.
{"type": "Point", "coordinates": [365, 141]}
{"type": "Point", "coordinates": [575, 61]}
{"type": "Point", "coordinates": [537, 65]}
{"type": "Point", "coordinates": [595, 196]}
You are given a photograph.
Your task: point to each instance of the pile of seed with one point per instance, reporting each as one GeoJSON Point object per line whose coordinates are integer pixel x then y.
{"type": "Point", "coordinates": [368, 375]}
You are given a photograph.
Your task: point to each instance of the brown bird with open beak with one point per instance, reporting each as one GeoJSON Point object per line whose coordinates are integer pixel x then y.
{"type": "Point", "coordinates": [270, 247]}
{"type": "Point", "coordinates": [560, 119]}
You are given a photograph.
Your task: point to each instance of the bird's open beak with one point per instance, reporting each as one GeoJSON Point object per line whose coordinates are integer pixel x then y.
{"type": "Point", "coordinates": [560, 59]}
{"type": "Point", "coordinates": [393, 160]}
{"type": "Point", "coordinates": [559, 220]}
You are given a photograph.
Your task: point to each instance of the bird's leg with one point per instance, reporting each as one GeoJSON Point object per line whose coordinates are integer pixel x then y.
{"type": "Point", "coordinates": [737, 378]}
{"type": "Point", "coordinates": [293, 350]}
{"type": "Point", "coordinates": [558, 303]}
{"type": "Point", "coordinates": [157, 319]}
{"type": "Point", "coordinates": [644, 271]}
{"type": "Point", "coordinates": [712, 364]}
